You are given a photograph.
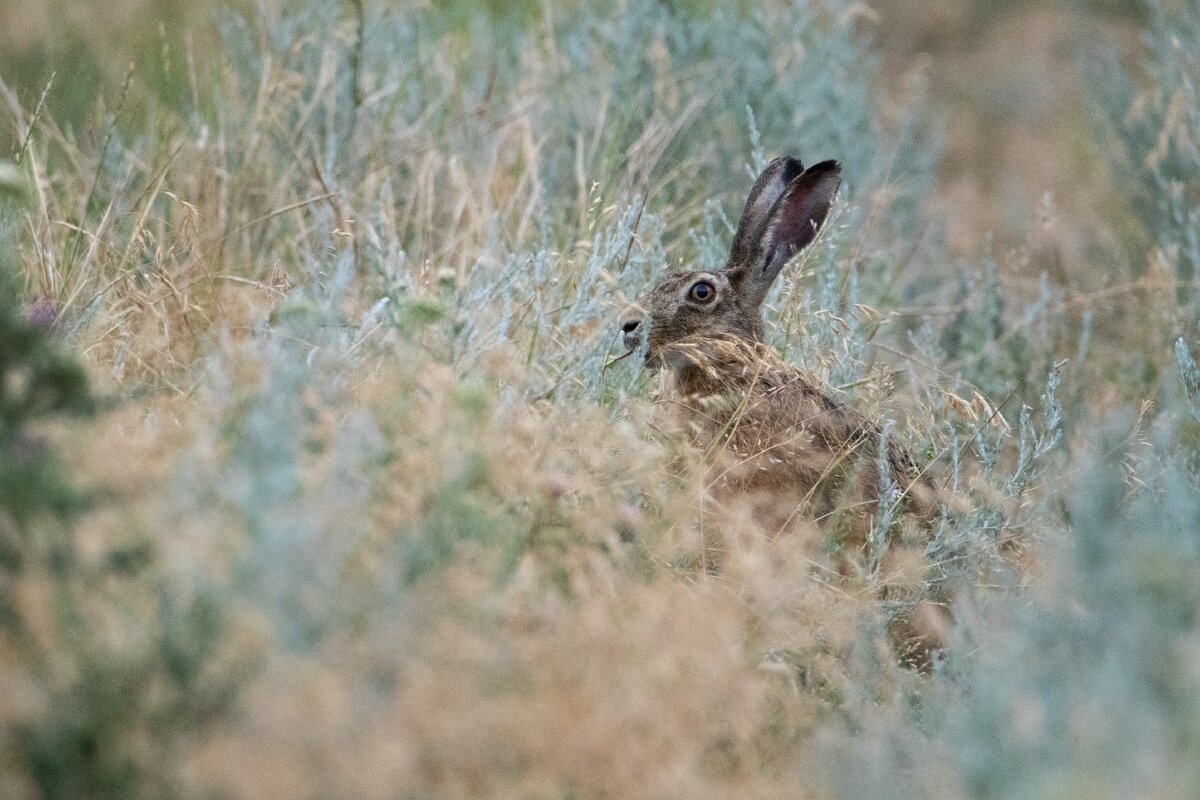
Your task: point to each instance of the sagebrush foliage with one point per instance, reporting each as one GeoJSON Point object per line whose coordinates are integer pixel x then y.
{"type": "Point", "coordinates": [1152, 119]}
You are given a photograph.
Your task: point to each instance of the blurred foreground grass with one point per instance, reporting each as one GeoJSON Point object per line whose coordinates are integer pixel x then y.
{"type": "Point", "coordinates": [363, 514]}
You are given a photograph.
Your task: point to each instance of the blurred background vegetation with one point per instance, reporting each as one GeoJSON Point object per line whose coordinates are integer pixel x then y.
{"type": "Point", "coordinates": [314, 480]}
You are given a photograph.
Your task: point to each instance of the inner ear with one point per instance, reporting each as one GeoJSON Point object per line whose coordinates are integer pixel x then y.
{"type": "Point", "coordinates": [765, 193]}
{"type": "Point", "coordinates": [799, 214]}
{"type": "Point", "coordinates": [790, 226]}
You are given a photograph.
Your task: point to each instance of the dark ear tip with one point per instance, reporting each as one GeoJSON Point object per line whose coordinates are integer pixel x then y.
{"type": "Point", "coordinates": [789, 167]}
{"type": "Point", "coordinates": [831, 166]}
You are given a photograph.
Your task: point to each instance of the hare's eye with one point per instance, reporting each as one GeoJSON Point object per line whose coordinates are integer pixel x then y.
{"type": "Point", "coordinates": [702, 292]}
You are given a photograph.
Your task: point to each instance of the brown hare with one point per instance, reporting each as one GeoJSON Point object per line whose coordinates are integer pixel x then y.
{"type": "Point", "coordinates": [786, 442]}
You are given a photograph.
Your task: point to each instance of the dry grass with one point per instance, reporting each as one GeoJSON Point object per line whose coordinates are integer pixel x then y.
{"type": "Point", "coordinates": [372, 518]}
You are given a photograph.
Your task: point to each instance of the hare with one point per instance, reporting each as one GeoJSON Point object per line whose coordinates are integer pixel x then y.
{"type": "Point", "coordinates": [786, 440]}
{"type": "Point", "coordinates": [706, 327]}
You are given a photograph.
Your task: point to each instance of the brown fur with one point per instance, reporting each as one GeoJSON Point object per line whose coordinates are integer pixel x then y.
{"type": "Point", "coordinates": [776, 436]}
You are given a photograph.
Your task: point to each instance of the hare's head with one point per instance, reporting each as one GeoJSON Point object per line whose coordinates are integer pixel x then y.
{"type": "Point", "coordinates": [783, 214]}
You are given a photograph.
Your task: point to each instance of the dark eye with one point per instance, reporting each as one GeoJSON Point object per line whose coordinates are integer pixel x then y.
{"type": "Point", "coordinates": [702, 292]}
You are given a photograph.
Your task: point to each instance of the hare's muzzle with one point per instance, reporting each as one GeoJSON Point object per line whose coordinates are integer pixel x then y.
{"type": "Point", "coordinates": [631, 330]}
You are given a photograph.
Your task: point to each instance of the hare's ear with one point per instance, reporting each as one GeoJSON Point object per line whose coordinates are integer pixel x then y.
{"type": "Point", "coordinates": [795, 215]}
{"type": "Point", "coordinates": [767, 190]}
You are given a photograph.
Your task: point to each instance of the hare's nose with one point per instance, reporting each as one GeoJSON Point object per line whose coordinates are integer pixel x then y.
{"type": "Point", "coordinates": [631, 331]}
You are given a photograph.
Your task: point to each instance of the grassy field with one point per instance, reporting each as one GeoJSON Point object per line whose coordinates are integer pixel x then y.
{"type": "Point", "coordinates": [316, 479]}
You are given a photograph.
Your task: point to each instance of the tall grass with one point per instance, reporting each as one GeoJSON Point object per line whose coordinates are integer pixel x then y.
{"type": "Point", "coordinates": [370, 515]}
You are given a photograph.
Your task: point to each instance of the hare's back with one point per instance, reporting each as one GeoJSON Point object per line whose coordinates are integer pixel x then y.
{"type": "Point", "coordinates": [789, 434]}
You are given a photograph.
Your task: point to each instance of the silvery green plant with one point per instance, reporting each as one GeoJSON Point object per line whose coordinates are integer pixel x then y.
{"type": "Point", "coordinates": [761, 74]}
{"type": "Point", "coordinates": [1189, 373]}
{"type": "Point", "coordinates": [1151, 116]}
{"type": "Point", "coordinates": [1112, 645]}
{"type": "Point", "coordinates": [1087, 685]}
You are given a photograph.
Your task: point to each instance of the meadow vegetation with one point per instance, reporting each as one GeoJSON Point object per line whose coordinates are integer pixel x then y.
{"type": "Point", "coordinates": [318, 477]}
